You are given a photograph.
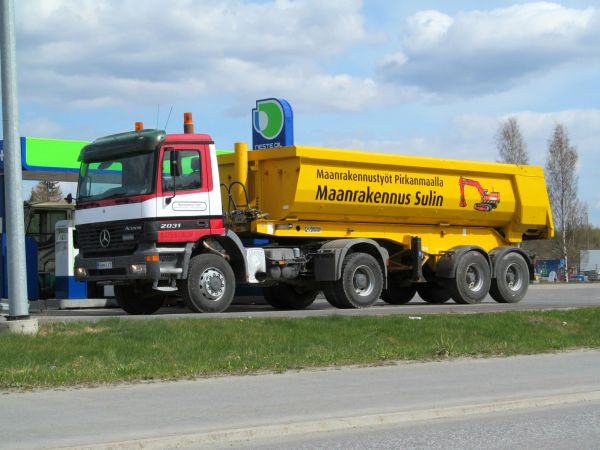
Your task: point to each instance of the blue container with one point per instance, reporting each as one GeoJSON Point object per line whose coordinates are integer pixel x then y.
{"type": "Point", "coordinates": [31, 257]}
{"type": "Point", "coordinates": [545, 266]}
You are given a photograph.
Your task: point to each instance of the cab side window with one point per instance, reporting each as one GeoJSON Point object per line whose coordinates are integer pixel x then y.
{"type": "Point", "coordinates": [54, 217]}
{"type": "Point", "coordinates": [190, 168]}
{"type": "Point", "coordinates": [34, 226]}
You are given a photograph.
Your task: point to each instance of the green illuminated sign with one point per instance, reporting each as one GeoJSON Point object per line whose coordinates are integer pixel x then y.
{"type": "Point", "coordinates": [51, 154]}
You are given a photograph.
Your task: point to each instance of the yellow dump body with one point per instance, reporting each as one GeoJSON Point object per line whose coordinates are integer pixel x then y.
{"type": "Point", "coordinates": [389, 191]}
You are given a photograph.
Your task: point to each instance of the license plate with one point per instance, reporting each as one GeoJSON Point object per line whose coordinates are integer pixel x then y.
{"type": "Point", "coordinates": [104, 265]}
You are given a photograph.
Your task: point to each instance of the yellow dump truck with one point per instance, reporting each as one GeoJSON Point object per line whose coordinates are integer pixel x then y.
{"type": "Point", "coordinates": [159, 213]}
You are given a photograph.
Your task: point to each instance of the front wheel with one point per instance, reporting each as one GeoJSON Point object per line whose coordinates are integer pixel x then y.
{"type": "Point", "coordinates": [473, 278]}
{"type": "Point", "coordinates": [210, 286]}
{"type": "Point", "coordinates": [138, 301]}
{"type": "Point", "coordinates": [512, 281]}
{"type": "Point", "coordinates": [285, 296]}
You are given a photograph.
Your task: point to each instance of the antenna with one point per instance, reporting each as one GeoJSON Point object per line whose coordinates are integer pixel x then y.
{"type": "Point", "coordinates": [157, 114]}
{"type": "Point", "coordinates": [168, 117]}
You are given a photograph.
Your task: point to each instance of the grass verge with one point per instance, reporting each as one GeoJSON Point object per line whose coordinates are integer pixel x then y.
{"type": "Point", "coordinates": [113, 350]}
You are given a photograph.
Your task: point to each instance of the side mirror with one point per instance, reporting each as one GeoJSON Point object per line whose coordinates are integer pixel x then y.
{"type": "Point", "coordinates": [69, 198]}
{"type": "Point", "coordinates": [174, 164]}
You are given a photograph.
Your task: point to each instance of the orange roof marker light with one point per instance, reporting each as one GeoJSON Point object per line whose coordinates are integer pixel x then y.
{"type": "Point", "coordinates": [139, 126]}
{"type": "Point", "coordinates": [188, 123]}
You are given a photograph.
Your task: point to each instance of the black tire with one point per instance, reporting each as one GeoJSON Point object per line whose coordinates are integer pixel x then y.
{"type": "Point", "coordinates": [398, 292]}
{"type": "Point", "coordinates": [361, 282]}
{"type": "Point", "coordinates": [330, 295]}
{"type": "Point", "coordinates": [512, 281]}
{"type": "Point", "coordinates": [433, 293]}
{"type": "Point", "coordinates": [285, 296]}
{"type": "Point", "coordinates": [210, 285]}
{"type": "Point", "coordinates": [138, 301]}
{"type": "Point", "coordinates": [472, 280]}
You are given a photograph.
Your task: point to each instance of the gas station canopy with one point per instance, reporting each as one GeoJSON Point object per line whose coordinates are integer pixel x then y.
{"type": "Point", "coordinates": [48, 159]}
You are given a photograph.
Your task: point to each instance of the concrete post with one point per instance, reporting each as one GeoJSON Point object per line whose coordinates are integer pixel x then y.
{"type": "Point", "coordinates": [14, 222]}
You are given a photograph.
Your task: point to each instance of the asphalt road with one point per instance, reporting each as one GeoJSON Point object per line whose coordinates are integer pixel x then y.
{"type": "Point", "coordinates": [295, 405]}
{"type": "Point", "coordinates": [539, 297]}
{"type": "Point", "coordinates": [562, 427]}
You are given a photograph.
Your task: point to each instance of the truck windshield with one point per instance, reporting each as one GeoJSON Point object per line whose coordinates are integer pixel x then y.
{"type": "Point", "coordinates": [120, 177]}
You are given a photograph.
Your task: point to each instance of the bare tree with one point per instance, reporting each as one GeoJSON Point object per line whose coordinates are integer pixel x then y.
{"type": "Point", "coordinates": [562, 179]}
{"type": "Point", "coordinates": [46, 191]}
{"type": "Point", "coordinates": [509, 141]}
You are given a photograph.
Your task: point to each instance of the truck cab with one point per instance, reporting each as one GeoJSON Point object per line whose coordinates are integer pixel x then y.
{"type": "Point", "coordinates": [144, 198]}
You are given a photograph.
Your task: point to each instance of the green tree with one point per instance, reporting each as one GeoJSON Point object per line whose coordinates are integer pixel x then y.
{"type": "Point", "coordinates": [46, 191]}
{"type": "Point", "coordinates": [568, 211]}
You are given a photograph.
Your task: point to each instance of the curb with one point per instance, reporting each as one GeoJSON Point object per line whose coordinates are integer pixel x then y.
{"type": "Point", "coordinates": [339, 424]}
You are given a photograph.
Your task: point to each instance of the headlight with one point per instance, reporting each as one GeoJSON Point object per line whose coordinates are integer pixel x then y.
{"type": "Point", "coordinates": [137, 268]}
{"type": "Point", "coordinates": [80, 272]}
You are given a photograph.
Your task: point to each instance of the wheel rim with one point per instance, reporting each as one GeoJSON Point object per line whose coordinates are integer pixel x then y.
{"type": "Point", "coordinates": [363, 280]}
{"type": "Point", "coordinates": [212, 284]}
{"type": "Point", "coordinates": [513, 277]}
{"type": "Point", "coordinates": [474, 278]}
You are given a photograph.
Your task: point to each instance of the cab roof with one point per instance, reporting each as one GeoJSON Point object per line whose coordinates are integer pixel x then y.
{"type": "Point", "coordinates": [134, 143]}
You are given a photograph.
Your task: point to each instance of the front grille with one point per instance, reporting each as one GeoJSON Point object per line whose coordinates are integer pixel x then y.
{"type": "Point", "coordinates": [88, 241]}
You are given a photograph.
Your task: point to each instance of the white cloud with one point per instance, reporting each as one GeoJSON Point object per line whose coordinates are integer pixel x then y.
{"type": "Point", "coordinates": [41, 127]}
{"type": "Point", "coordinates": [426, 29]}
{"type": "Point", "coordinates": [583, 126]}
{"type": "Point", "coordinates": [414, 146]}
{"type": "Point", "coordinates": [89, 54]}
{"type": "Point", "coordinates": [584, 123]}
{"type": "Point", "coordinates": [489, 51]}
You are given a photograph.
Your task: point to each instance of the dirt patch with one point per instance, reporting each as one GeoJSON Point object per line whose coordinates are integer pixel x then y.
{"type": "Point", "coordinates": [546, 321]}
{"type": "Point", "coordinates": [48, 331]}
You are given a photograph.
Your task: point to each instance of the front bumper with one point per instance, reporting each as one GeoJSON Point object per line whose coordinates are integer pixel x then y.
{"type": "Point", "coordinates": [150, 263]}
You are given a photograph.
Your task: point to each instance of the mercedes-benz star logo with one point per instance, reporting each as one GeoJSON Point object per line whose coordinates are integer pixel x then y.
{"type": "Point", "coordinates": [105, 238]}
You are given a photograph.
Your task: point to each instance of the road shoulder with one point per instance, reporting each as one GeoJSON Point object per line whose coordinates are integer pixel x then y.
{"type": "Point", "coordinates": [218, 409]}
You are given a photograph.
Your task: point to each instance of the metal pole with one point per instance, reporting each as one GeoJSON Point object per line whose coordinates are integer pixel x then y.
{"type": "Point", "coordinates": [17, 281]}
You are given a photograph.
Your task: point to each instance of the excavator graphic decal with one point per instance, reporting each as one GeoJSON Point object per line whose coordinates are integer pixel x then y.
{"type": "Point", "coordinates": [489, 200]}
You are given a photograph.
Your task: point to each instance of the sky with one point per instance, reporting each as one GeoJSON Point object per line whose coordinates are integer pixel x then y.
{"type": "Point", "coordinates": [431, 78]}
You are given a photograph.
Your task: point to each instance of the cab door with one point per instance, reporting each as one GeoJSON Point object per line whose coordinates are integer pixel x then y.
{"type": "Point", "coordinates": [183, 201]}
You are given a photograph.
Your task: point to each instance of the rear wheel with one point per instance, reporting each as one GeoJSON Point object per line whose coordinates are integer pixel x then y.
{"type": "Point", "coordinates": [138, 301]}
{"type": "Point", "coordinates": [512, 281]}
{"type": "Point", "coordinates": [398, 291]}
{"type": "Point", "coordinates": [360, 285]}
{"type": "Point", "coordinates": [433, 293]}
{"type": "Point", "coordinates": [285, 296]}
{"type": "Point", "coordinates": [210, 286]}
{"type": "Point", "coordinates": [473, 278]}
